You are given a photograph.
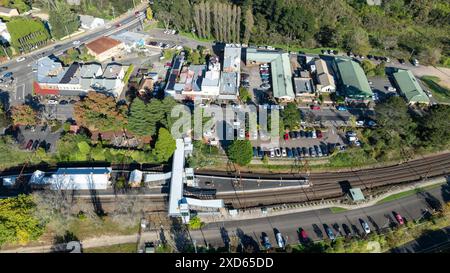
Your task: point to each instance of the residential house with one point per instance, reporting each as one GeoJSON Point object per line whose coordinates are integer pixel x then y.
{"type": "Point", "coordinates": [8, 12]}
{"type": "Point", "coordinates": [323, 77]}
{"type": "Point", "coordinates": [104, 48]}
{"type": "Point", "coordinates": [5, 37]}
{"type": "Point", "coordinates": [410, 87]}
{"type": "Point", "coordinates": [90, 22]}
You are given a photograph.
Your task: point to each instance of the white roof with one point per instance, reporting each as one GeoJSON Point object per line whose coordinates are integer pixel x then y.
{"type": "Point", "coordinates": [176, 184]}
{"type": "Point", "coordinates": [215, 204]}
{"type": "Point", "coordinates": [79, 179]}
{"type": "Point", "coordinates": [151, 177]}
{"type": "Point", "coordinates": [135, 176]}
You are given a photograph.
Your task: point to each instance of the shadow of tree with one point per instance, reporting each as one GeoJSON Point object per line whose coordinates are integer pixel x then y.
{"type": "Point", "coordinates": [248, 244]}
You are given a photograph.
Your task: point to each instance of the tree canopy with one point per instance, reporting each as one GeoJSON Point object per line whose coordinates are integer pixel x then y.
{"type": "Point", "coordinates": [291, 116]}
{"type": "Point", "coordinates": [240, 152]}
{"type": "Point", "coordinates": [23, 115]}
{"type": "Point", "coordinates": [165, 145]}
{"type": "Point", "coordinates": [63, 21]}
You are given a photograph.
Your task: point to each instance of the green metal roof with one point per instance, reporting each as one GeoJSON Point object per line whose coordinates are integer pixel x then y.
{"type": "Point", "coordinates": [280, 69]}
{"type": "Point", "coordinates": [410, 87]}
{"type": "Point", "coordinates": [356, 194]}
{"type": "Point", "coordinates": [354, 81]}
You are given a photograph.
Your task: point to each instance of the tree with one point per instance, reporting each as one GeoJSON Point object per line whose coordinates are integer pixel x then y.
{"type": "Point", "coordinates": [62, 20]}
{"type": "Point", "coordinates": [248, 25]}
{"type": "Point", "coordinates": [291, 116]}
{"type": "Point", "coordinates": [244, 95]}
{"type": "Point", "coordinates": [165, 146]}
{"type": "Point", "coordinates": [195, 223]}
{"type": "Point", "coordinates": [430, 56]}
{"type": "Point", "coordinates": [98, 111]}
{"type": "Point", "coordinates": [368, 67]}
{"type": "Point", "coordinates": [435, 126]}
{"type": "Point", "coordinates": [149, 13]}
{"type": "Point", "coordinates": [18, 223]}
{"type": "Point", "coordinates": [23, 115]}
{"type": "Point", "coordinates": [358, 41]}
{"type": "Point", "coordinates": [240, 152]}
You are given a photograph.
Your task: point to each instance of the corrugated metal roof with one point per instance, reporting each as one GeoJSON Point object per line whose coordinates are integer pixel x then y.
{"type": "Point", "coordinates": [410, 87]}
{"type": "Point", "coordinates": [353, 79]}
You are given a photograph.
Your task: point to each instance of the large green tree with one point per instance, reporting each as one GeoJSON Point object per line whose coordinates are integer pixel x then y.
{"type": "Point", "coordinates": [291, 116]}
{"type": "Point", "coordinates": [63, 21]}
{"type": "Point", "coordinates": [165, 146]}
{"type": "Point", "coordinates": [435, 126]}
{"type": "Point", "coordinates": [240, 152]}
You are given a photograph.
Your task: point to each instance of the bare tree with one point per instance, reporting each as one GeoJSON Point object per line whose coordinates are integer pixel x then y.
{"type": "Point", "coordinates": [208, 19]}
{"type": "Point", "coordinates": [238, 25]}
{"type": "Point", "coordinates": [202, 20]}
{"type": "Point", "coordinates": [128, 210]}
{"type": "Point", "coordinates": [216, 21]}
{"type": "Point", "coordinates": [233, 23]}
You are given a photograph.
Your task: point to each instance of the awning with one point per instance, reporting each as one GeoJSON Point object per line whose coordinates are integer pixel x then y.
{"type": "Point", "coordinates": [43, 91]}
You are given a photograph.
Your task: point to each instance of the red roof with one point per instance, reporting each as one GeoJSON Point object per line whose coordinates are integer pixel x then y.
{"type": "Point", "coordinates": [44, 91]}
{"type": "Point", "coordinates": [102, 44]}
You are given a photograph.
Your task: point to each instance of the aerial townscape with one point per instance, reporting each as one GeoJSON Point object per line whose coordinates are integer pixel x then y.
{"type": "Point", "coordinates": [224, 126]}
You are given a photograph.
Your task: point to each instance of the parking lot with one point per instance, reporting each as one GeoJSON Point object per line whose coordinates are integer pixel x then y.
{"type": "Point", "coordinates": [259, 96]}
{"type": "Point", "coordinates": [42, 134]}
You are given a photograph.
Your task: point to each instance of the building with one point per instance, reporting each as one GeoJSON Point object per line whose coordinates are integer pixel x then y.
{"type": "Point", "coordinates": [353, 84]}
{"type": "Point", "coordinates": [281, 72]}
{"type": "Point", "coordinates": [55, 79]}
{"type": "Point", "coordinates": [8, 12]}
{"type": "Point", "coordinates": [131, 40]}
{"type": "Point", "coordinates": [323, 77]}
{"type": "Point", "coordinates": [90, 22]}
{"type": "Point", "coordinates": [231, 72]}
{"type": "Point", "coordinates": [104, 48]}
{"type": "Point", "coordinates": [5, 37]}
{"type": "Point", "coordinates": [410, 87]}
{"type": "Point", "coordinates": [304, 87]}
{"type": "Point", "coordinates": [73, 179]}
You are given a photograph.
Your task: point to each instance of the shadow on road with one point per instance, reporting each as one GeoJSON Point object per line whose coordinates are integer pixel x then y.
{"type": "Point", "coordinates": [248, 244]}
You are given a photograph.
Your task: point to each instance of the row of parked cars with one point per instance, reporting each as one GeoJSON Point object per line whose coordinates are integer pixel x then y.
{"type": "Point", "coordinates": [303, 134]}
{"type": "Point", "coordinates": [265, 75]}
{"type": "Point", "coordinates": [33, 145]}
{"type": "Point", "coordinates": [295, 152]}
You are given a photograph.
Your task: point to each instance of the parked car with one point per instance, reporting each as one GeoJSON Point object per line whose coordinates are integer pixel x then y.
{"type": "Point", "coordinates": [303, 236]}
{"type": "Point", "coordinates": [7, 75]}
{"type": "Point", "coordinates": [365, 226]}
{"type": "Point", "coordinates": [272, 152]}
{"type": "Point", "coordinates": [318, 151]}
{"type": "Point", "coordinates": [29, 144]}
{"type": "Point", "coordinates": [401, 61]}
{"type": "Point", "coordinates": [391, 89]}
{"type": "Point", "coordinates": [302, 133]}
{"type": "Point", "coordinates": [260, 152]}
{"type": "Point", "coordinates": [312, 152]}
{"type": "Point", "coordinates": [20, 59]}
{"type": "Point", "coordinates": [283, 152]}
{"type": "Point", "coordinates": [299, 151]}
{"type": "Point", "coordinates": [35, 145]}
{"type": "Point", "coordinates": [255, 152]}
{"type": "Point", "coordinates": [63, 102]}
{"type": "Point", "coordinates": [277, 152]}
{"type": "Point", "coordinates": [265, 86]}
{"type": "Point", "coordinates": [286, 136]}
{"type": "Point", "coordinates": [319, 134]}
{"type": "Point", "coordinates": [280, 240]}
{"type": "Point", "coordinates": [330, 233]}
{"type": "Point", "coordinates": [399, 219]}
{"type": "Point", "coordinates": [289, 153]}
{"type": "Point", "coordinates": [295, 152]}
{"type": "Point", "coordinates": [266, 242]}
{"type": "Point", "coordinates": [315, 107]}
{"type": "Point", "coordinates": [52, 102]}
{"type": "Point", "coordinates": [341, 108]}
{"type": "Point", "coordinates": [324, 149]}
{"type": "Point", "coordinates": [77, 42]}
{"type": "Point", "coordinates": [360, 123]}
{"type": "Point", "coordinates": [313, 134]}
{"type": "Point", "coordinates": [305, 152]}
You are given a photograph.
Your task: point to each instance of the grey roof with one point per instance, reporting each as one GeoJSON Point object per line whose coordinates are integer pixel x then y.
{"type": "Point", "coordinates": [199, 72]}
{"type": "Point", "coordinates": [229, 83]}
{"type": "Point", "coordinates": [232, 58]}
{"type": "Point", "coordinates": [72, 75]}
{"type": "Point", "coordinates": [112, 71]}
{"type": "Point", "coordinates": [49, 70]}
{"type": "Point", "coordinates": [303, 85]}
{"type": "Point", "coordinates": [130, 37]}
{"type": "Point", "coordinates": [104, 85]}
{"type": "Point", "coordinates": [89, 70]}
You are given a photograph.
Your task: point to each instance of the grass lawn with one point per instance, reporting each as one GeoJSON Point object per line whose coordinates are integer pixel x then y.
{"type": "Point", "coordinates": [407, 193]}
{"type": "Point", "coordinates": [337, 209]}
{"type": "Point", "coordinates": [120, 248]}
{"type": "Point", "coordinates": [440, 93]}
{"type": "Point", "coordinates": [150, 25]}
{"type": "Point", "coordinates": [88, 228]}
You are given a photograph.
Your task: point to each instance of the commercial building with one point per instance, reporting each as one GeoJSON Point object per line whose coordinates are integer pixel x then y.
{"type": "Point", "coordinates": [281, 72]}
{"type": "Point", "coordinates": [131, 40]}
{"type": "Point", "coordinates": [55, 79]}
{"type": "Point", "coordinates": [410, 87]}
{"type": "Point", "coordinates": [231, 72]}
{"type": "Point", "coordinates": [91, 22]}
{"type": "Point", "coordinates": [304, 87]}
{"type": "Point", "coordinates": [104, 48]}
{"type": "Point", "coordinates": [353, 84]}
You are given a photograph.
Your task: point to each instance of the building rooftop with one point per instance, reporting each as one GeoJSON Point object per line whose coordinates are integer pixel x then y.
{"type": "Point", "coordinates": [321, 67]}
{"type": "Point", "coordinates": [303, 85]}
{"type": "Point", "coordinates": [353, 80]}
{"type": "Point", "coordinates": [112, 71]}
{"type": "Point", "coordinates": [229, 83]}
{"type": "Point", "coordinates": [91, 70]}
{"type": "Point", "coordinates": [232, 58]}
{"type": "Point", "coordinates": [409, 86]}
{"type": "Point", "coordinates": [72, 76]}
{"type": "Point", "coordinates": [49, 70]}
{"type": "Point", "coordinates": [176, 183]}
{"type": "Point", "coordinates": [131, 38]}
{"type": "Point", "coordinates": [102, 44]}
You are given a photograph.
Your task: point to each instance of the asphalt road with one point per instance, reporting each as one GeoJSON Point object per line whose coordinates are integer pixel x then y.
{"type": "Point", "coordinates": [431, 242]}
{"type": "Point", "coordinates": [378, 217]}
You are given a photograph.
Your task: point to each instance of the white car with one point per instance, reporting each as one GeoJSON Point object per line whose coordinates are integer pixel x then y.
{"type": "Point", "coordinates": [20, 59]}
{"type": "Point", "coordinates": [77, 42]}
{"type": "Point", "coordinates": [280, 240]}
{"type": "Point", "coordinates": [242, 133]}
{"type": "Point", "coordinates": [52, 102]}
{"type": "Point", "coordinates": [272, 152]}
{"type": "Point", "coordinates": [173, 32]}
{"type": "Point", "coordinates": [254, 135]}
{"type": "Point", "coordinates": [391, 89]}
{"type": "Point", "coordinates": [314, 135]}
{"type": "Point", "coordinates": [360, 123]}
{"type": "Point", "coordinates": [365, 226]}
{"type": "Point", "coordinates": [283, 152]}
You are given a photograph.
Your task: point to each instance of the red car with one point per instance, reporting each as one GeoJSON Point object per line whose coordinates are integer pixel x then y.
{"type": "Point", "coordinates": [399, 219]}
{"type": "Point", "coordinates": [29, 144]}
{"type": "Point", "coordinates": [302, 234]}
{"type": "Point", "coordinates": [286, 136]}
{"type": "Point", "coordinates": [118, 25]}
{"type": "Point", "coordinates": [319, 134]}
{"type": "Point", "coordinates": [315, 107]}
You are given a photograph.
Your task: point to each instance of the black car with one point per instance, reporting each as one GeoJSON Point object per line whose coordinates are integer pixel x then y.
{"type": "Point", "coordinates": [305, 152]}
{"type": "Point", "coordinates": [295, 152]}
{"type": "Point", "coordinates": [255, 152]}
{"type": "Point", "coordinates": [299, 151]}
{"type": "Point", "coordinates": [324, 150]}
{"type": "Point", "coordinates": [72, 101]}
{"type": "Point", "coordinates": [302, 133]}
{"type": "Point", "coordinates": [402, 61]}
{"type": "Point", "coordinates": [260, 152]}
{"type": "Point", "coordinates": [376, 58]}
{"type": "Point", "coordinates": [369, 56]}
{"type": "Point", "coordinates": [35, 145]}
{"type": "Point", "coordinates": [297, 134]}
{"type": "Point", "coordinates": [63, 102]}
{"type": "Point", "coordinates": [291, 135]}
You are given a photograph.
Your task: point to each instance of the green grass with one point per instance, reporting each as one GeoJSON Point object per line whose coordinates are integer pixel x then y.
{"type": "Point", "coordinates": [120, 248]}
{"type": "Point", "coordinates": [337, 209]}
{"type": "Point", "coordinates": [440, 93]}
{"type": "Point", "coordinates": [89, 228]}
{"type": "Point", "coordinates": [407, 193]}
{"type": "Point", "coordinates": [130, 70]}
{"type": "Point", "coordinates": [150, 25]}
{"type": "Point", "coordinates": [195, 37]}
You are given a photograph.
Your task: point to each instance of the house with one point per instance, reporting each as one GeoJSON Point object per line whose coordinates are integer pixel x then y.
{"type": "Point", "coordinates": [323, 77]}
{"type": "Point", "coordinates": [8, 12]}
{"type": "Point", "coordinates": [131, 40]}
{"type": "Point", "coordinates": [353, 84]}
{"type": "Point", "coordinates": [90, 22]}
{"type": "Point", "coordinates": [281, 71]}
{"type": "Point", "coordinates": [5, 37]}
{"type": "Point", "coordinates": [410, 87]}
{"type": "Point", "coordinates": [104, 48]}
